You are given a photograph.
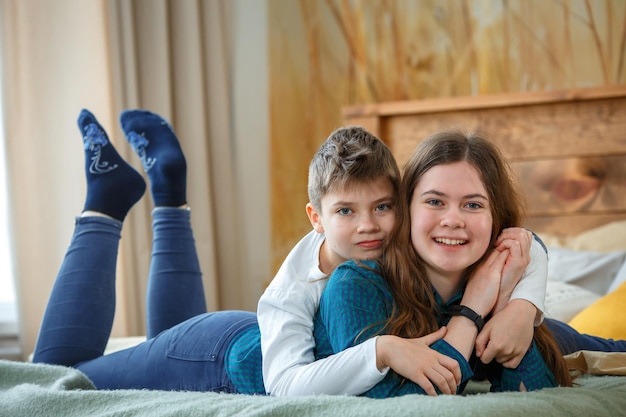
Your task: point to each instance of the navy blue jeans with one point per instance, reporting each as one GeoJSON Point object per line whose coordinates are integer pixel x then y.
{"type": "Point", "coordinates": [185, 346]}
{"type": "Point", "coordinates": [570, 340]}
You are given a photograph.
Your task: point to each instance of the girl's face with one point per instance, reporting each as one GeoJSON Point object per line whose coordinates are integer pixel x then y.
{"type": "Point", "coordinates": [450, 220]}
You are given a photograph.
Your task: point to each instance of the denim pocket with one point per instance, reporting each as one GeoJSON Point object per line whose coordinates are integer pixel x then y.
{"type": "Point", "coordinates": [207, 336]}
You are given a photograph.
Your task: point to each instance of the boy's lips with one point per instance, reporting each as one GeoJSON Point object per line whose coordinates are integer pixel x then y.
{"type": "Point", "coordinates": [370, 244]}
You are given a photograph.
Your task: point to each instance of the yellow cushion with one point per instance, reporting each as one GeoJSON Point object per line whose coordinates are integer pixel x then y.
{"type": "Point", "coordinates": [605, 317]}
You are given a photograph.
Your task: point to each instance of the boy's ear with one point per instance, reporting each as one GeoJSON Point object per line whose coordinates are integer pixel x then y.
{"type": "Point", "coordinates": [315, 218]}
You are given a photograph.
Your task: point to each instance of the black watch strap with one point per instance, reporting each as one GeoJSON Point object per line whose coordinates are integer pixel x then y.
{"type": "Point", "coordinates": [459, 310]}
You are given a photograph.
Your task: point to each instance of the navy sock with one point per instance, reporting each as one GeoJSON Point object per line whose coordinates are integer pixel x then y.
{"type": "Point", "coordinates": [113, 186]}
{"type": "Point", "coordinates": [161, 155]}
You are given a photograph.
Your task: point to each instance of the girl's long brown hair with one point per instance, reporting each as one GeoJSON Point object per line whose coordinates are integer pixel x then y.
{"type": "Point", "coordinates": [402, 266]}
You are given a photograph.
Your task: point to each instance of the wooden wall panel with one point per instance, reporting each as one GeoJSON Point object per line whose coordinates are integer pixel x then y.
{"type": "Point", "coordinates": [564, 186]}
{"type": "Point", "coordinates": [525, 125]}
{"type": "Point", "coordinates": [570, 225]}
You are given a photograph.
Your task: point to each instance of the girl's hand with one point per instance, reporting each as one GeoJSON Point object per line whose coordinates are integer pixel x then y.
{"type": "Point", "coordinates": [517, 241]}
{"type": "Point", "coordinates": [415, 360]}
{"type": "Point", "coordinates": [508, 334]}
{"type": "Point", "coordinates": [483, 287]}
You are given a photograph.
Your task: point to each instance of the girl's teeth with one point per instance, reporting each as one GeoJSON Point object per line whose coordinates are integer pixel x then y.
{"type": "Point", "coordinates": [450, 241]}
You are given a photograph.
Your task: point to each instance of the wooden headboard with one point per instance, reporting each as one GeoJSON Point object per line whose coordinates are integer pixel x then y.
{"type": "Point", "coordinates": [567, 147]}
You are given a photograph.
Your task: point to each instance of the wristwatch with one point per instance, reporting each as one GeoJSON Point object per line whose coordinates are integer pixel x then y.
{"type": "Point", "coordinates": [460, 310]}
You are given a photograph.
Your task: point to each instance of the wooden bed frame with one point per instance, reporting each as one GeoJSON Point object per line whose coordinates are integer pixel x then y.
{"type": "Point", "coordinates": [568, 148]}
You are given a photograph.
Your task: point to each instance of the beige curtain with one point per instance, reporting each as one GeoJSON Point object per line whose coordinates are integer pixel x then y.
{"type": "Point", "coordinates": [171, 57]}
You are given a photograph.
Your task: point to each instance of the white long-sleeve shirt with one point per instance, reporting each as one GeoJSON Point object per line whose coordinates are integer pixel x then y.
{"type": "Point", "coordinates": [285, 314]}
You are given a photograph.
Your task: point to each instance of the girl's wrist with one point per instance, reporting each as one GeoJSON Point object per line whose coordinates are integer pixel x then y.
{"type": "Point", "coordinates": [476, 305]}
{"type": "Point", "coordinates": [470, 313]}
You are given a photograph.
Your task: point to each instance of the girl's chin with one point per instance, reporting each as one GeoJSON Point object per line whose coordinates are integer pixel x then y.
{"type": "Point", "coordinates": [454, 266]}
{"type": "Point", "coordinates": [456, 257]}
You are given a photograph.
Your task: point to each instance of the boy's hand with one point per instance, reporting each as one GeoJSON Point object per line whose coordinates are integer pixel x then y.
{"type": "Point", "coordinates": [415, 360]}
{"type": "Point", "coordinates": [517, 241]}
{"type": "Point", "coordinates": [508, 334]}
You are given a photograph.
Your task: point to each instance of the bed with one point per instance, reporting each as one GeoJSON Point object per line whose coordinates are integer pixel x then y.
{"type": "Point", "coordinates": [569, 151]}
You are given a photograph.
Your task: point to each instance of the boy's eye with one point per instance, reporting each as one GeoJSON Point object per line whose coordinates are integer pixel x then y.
{"type": "Point", "coordinates": [383, 207]}
{"type": "Point", "coordinates": [344, 211]}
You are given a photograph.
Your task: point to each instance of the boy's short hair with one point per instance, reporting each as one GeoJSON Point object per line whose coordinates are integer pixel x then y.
{"type": "Point", "coordinates": [350, 156]}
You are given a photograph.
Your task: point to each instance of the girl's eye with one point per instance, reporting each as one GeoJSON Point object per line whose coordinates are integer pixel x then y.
{"type": "Point", "coordinates": [474, 205]}
{"type": "Point", "coordinates": [434, 202]}
{"type": "Point", "coordinates": [344, 211]}
{"type": "Point", "coordinates": [383, 207]}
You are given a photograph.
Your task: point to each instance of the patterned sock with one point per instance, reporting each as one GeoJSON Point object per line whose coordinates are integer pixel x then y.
{"type": "Point", "coordinates": [113, 186]}
{"type": "Point", "coordinates": [163, 160]}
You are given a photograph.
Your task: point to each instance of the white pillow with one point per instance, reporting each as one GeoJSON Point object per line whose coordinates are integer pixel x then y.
{"type": "Point", "coordinates": [583, 268]}
{"type": "Point", "coordinates": [593, 271]}
{"type": "Point", "coordinates": [619, 278]}
{"type": "Point", "coordinates": [564, 301]}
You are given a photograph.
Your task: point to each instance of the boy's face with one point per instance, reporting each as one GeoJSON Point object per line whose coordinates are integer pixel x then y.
{"type": "Point", "coordinates": [356, 221]}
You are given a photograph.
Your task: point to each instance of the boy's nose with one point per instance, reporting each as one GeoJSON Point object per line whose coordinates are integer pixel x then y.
{"type": "Point", "coordinates": [367, 224]}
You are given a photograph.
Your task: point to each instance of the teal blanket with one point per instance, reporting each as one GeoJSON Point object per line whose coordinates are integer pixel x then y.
{"type": "Point", "coordinates": [32, 390]}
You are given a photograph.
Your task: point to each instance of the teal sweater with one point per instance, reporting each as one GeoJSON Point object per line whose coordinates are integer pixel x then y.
{"type": "Point", "coordinates": [356, 305]}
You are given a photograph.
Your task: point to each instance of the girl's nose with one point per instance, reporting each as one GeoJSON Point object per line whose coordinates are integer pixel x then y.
{"type": "Point", "coordinates": [452, 219]}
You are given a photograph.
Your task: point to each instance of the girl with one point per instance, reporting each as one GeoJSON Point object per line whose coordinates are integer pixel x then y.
{"type": "Point", "coordinates": [440, 269]}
